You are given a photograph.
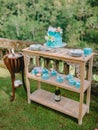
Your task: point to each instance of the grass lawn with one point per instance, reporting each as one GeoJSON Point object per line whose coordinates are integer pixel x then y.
{"type": "Point", "coordinates": [19, 115]}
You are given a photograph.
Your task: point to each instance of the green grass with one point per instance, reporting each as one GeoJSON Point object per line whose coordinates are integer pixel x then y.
{"type": "Point", "coordinates": [19, 115]}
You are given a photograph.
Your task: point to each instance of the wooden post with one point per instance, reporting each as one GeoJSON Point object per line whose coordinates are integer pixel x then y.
{"type": "Point", "coordinates": [38, 64]}
{"type": "Point", "coordinates": [27, 62]}
{"type": "Point", "coordinates": [56, 65]}
{"type": "Point", "coordinates": [66, 68]}
{"type": "Point", "coordinates": [47, 63]}
{"type": "Point", "coordinates": [82, 71]}
{"type": "Point", "coordinates": [90, 79]}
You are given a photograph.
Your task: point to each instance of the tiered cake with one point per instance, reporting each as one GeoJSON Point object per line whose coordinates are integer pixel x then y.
{"type": "Point", "coordinates": [54, 38]}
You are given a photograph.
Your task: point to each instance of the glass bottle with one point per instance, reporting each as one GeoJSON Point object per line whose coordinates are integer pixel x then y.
{"type": "Point", "coordinates": [57, 94]}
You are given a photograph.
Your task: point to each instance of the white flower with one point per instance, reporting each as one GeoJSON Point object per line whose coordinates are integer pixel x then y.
{"type": "Point", "coordinates": [59, 30]}
{"type": "Point", "coordinates": [49, 38]}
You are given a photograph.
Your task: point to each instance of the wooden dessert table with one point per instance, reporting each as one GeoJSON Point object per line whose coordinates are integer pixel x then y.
{"type": "Point", "coordinates": [76, 109]}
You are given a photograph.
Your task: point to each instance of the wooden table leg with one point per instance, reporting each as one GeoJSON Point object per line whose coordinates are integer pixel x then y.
{"type": "Point", "coordinates": [13, 87]}
{"type": "Point", "coordinates": [24, 85]}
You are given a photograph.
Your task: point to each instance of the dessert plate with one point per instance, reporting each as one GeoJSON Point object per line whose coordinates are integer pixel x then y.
{"type": "Point", "coordinates": [75, 52]}
{"type": "Point", "coordinates": [35, 47]}
{"type": "Point", "coordinates": [45, 48]}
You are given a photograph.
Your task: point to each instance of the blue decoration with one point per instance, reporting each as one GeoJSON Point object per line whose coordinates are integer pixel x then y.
{"type": "Point", "coordinates": [87, 51]}
{"type": "Point", "coordinates": [71, 82]}
{"type": "Point", "coordinates": [60, 79]}
{"type": "Point", "coordinates": [53, 73]}
{"type": "Point", "coordinates": [45, 76]}
{"type": "Point", "coordinates": [34, 71]}
{"type": "Point", "coordinates": [69, 76]}
{"type": "Point", "coordinates": [45, 71]}
{"type": "Point", "coordinates": [78, 84]}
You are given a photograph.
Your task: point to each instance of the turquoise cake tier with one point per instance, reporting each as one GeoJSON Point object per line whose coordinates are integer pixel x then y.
{"type": "Point", "coordinates": [57, 42]}
{"type": "Point", "coordinates": [54, 38]}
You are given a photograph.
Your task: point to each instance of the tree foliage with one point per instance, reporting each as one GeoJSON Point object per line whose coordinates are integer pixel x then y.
{"type": "Point", "coordinates": [29, 19]}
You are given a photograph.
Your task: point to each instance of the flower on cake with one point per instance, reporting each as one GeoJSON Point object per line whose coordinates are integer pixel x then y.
{"type": "Point", "coordinates": [58, 29]}
{"type": "Point", "coordinates": [49, 38]}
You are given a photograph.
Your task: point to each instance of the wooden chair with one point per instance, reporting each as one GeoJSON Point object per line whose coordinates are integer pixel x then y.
{"type": "Point", "coordinates": [15, 64]}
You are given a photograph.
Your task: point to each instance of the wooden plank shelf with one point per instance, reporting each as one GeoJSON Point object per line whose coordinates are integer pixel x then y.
{"type": "Point", "coordinates": [64, 85]}
{"type": "Point", "coordinates": [58, 53]}
{"type": "Point", "coordinates": [66, 106]}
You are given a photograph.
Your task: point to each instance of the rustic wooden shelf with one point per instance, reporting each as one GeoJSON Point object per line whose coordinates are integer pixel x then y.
{"type": "Point", "coordinates": [65, 85]}
{"type": "Point", "coordinates": [66, 105]}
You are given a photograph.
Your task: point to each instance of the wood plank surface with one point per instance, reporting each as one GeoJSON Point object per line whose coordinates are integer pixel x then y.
{"type": "Point", "coordinates": [60, 54]}
{"type": "Point", "coordinates": [65, 85]}
{"type": "Point", "coordinates": [66, 106]}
